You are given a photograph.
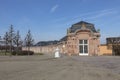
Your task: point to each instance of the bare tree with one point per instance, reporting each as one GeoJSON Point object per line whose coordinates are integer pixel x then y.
{"type": "Point", "coordinates": [11, 38]}
{"type": "Point", "coordinates": [6, 38]}
{"type": "Point", "coordinates": [17, 41]}
{"type": "Point", "coordinates": [29, 40]}
{"type": "Point", "coordinates": [114, 44]}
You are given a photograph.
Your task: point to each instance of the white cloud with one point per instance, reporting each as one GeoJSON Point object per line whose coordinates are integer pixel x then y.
{"type": "Point", "coordinates": [53, 9]}
{"type": "Point", "coordinates": [94, 15]}
{"type": "Point", "coordinates": [90, 16]}
{"type": "Point", "coordinates": [102, 14]}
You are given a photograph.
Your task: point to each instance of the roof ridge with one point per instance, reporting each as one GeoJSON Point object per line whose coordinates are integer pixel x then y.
{"type": "Point", "coordinates": [81, 22]}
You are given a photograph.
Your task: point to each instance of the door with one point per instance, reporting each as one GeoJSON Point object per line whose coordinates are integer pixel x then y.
{"type": "Point", "coordinates": [83, 47]}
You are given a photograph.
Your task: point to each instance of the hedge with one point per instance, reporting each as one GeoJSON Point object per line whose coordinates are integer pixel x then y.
{"type": "Point", "coordinates": [22, 53]}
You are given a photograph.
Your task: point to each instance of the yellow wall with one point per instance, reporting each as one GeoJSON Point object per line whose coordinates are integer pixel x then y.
{"type": "Point", "coordinates": [104, 50]}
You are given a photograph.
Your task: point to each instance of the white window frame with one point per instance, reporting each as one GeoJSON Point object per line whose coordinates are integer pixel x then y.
{"type": "Point", "coordinates": [83, 44]}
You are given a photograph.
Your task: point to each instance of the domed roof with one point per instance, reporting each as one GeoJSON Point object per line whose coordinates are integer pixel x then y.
{"type": "Point", "coordinates": [81, 25]}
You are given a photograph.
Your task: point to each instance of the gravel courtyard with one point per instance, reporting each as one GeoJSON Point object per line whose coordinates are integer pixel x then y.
{"type": "Point", "coordinates": [65, 68]}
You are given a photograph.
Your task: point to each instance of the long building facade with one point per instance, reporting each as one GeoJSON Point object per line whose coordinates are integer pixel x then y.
{"type": "Point", "coordinates": [81, 39]}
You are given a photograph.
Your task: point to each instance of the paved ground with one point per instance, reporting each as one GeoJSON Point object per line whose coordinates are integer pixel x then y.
{"type": "Point", "coordinates": [65, 68]}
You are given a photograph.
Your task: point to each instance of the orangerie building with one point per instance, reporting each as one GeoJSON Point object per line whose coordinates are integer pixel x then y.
{"type": "Point", "coordinates": [81, 39]}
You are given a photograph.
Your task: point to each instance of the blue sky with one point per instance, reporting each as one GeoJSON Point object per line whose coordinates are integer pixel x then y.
{"type": "Point", "coordinates": [49, 19]}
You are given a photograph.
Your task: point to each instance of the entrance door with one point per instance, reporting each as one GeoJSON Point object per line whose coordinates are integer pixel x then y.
{"type": "Point", "coordinates": [83, 47]}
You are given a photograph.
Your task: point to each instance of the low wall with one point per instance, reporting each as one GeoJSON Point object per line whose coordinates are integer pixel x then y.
{"type": "Point", "coordinates": [104, 50]}
{"type": "Point", "coordinates": [45, 49]}
{"type": "Point", "coordinates": [51, 49]}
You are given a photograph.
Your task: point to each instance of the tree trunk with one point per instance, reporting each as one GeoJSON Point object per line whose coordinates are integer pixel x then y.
{"type": "Point", "coordinates": [5, 50]}
{"type": "Point", "coordinates": [28, 50]}
{"type": "Point", "coordinates": [11, 49]}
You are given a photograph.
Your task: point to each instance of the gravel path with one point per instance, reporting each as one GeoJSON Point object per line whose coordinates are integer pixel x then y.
{"type": "Point", "coordinates": [65, 68]}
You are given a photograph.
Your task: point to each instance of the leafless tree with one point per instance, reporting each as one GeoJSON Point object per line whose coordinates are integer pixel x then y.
{"type": "Point", "coordinates": [17, 41]}
{"type": "Point", "coordinates": [11, 35]}
{"type": "Point", "coordinates": [29, 40]}
{"type": "Point", "coordinates": [114, 44]}
{"type": "Point", "coordinates": [6, 38]}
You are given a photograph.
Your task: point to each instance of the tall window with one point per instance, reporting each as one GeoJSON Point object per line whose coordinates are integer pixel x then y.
{"type": "Point", "coordinates": [83, 46]}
